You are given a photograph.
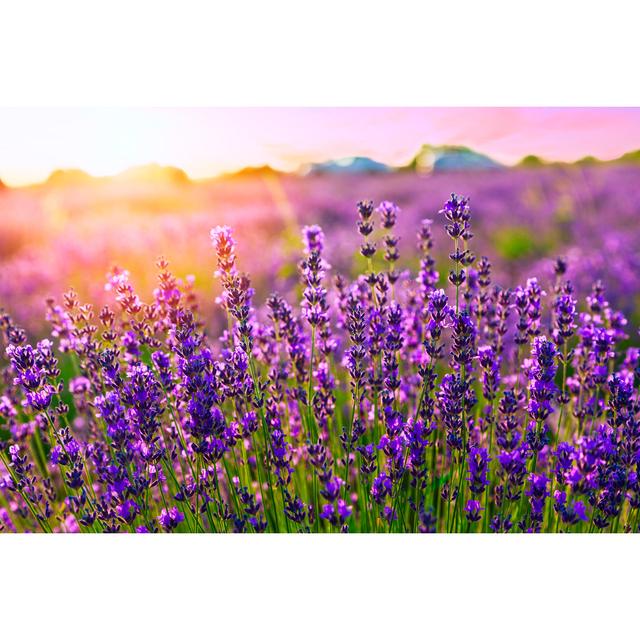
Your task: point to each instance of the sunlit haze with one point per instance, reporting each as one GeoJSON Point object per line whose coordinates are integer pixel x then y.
{"type": "Point", "coordinates": [209, 141]}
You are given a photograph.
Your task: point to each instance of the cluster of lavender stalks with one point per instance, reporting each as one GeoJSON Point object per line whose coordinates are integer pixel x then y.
{"type": "Point", "coordinates": [380, 404]}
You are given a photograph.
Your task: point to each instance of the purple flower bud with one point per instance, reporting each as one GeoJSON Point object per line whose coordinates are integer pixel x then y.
{"type": "Point", "coordinates": [170, 518]}
{"type": "Point", "coordinates": [472, 510]}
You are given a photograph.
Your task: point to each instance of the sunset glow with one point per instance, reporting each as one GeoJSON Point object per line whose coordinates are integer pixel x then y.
{"type": "Point", "coordinates": [208, 141]}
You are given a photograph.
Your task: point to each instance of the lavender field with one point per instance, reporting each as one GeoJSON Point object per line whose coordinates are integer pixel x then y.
{"type": "Point", "coordinates": [372, 354]}
{"type": "Point", "coordinates": [72, 231]}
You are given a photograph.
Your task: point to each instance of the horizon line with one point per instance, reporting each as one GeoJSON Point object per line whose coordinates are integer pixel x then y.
{"type": "Point", "coordinates": [299, 170]}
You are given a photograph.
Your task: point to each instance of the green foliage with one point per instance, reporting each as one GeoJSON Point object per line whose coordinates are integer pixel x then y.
{"type": "Point", "coordinates": [517, 243]}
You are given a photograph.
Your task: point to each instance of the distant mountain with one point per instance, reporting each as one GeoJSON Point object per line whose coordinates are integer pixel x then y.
{"type": "Point", "coordinates": [531, 161]}
{"type": "Point", "coordinates": [358, 164]}
{"type": "Point", "coordinates": [144, 174]}
{"type": "Point", "coordinates": [631, 157]}
{"type": "Point", "coordinates": [430, 158]}
{"type": "Point", "coordinates": [69, 177]}
{"type": "Point", "coordinates": [153, 173]}
{"type": "Point", "coordinates": [588, 160]}
{"type": "Point", "coordinates": [451, 158]}
{"type": "Point", "coordinates": [250, 172]}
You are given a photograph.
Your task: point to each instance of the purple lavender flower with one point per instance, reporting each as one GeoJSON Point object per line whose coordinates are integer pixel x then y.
{"type": "Point", "coordinates": [313, 237]}
{"type": "Point", "coordinates": [170, 518]}
{"type": "Point", "coordinates": [225, 248]}
{"type": "Point", "coordinates": [451, 397]}
{"type": "Point", "coordinates": [478, 470]}
{"type": "Point", "coordinates": [427, 276]}
{"type": "Point", "coordinates": [381, 487]}
{"type": "Point", "coordinates": [388, 213]}
{"type": "Point", "coordinates": [365, 227]}
{"type": "Point", "coordinates": [473, 510]}
{"type": "Point", "coordinates": [542, 388]}
{"type": "Point", "coordinates": [537, 492]}
{"type": "Point", "coordinates": [128, 511]}
{"type": "Point", "coordinates": [570, 513]}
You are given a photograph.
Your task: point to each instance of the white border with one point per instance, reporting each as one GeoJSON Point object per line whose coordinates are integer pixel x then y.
{"type": "Point", "coordinates": [361, 586]}
{"type": "Point", "coordinates": [329, 53]}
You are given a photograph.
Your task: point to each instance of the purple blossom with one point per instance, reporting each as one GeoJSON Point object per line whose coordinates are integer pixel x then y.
{"type": "Point", "coordinates": [473, 510]}
{"type": "Point", "coordinates": [170, 518]}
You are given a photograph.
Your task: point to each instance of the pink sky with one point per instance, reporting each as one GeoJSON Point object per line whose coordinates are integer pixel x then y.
{"type": "Point", "coordinates": [208, 141]}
